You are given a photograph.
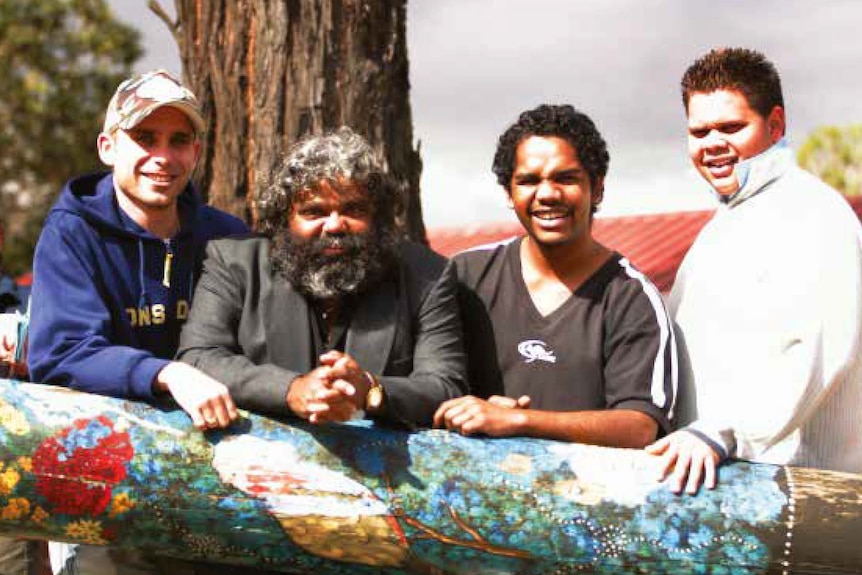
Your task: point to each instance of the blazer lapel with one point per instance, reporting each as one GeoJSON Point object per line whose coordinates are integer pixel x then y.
{"type": "Point", "coordinates": [287, 330]}
{"type": "Point", "coordinates": [372, 328]}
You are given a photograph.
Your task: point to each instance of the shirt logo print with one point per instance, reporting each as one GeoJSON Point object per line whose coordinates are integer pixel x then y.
{"type": "Point", "coordinates": [533, 349]}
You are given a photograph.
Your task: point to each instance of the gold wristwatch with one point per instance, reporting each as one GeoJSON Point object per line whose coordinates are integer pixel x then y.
{"type": "Point", "coordinates": [374, 399]}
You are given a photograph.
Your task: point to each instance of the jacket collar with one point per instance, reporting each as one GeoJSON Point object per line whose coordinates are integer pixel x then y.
{"type": "Point", "coordinates": [757, 173]}
{"type": "Point", "coordinates": [288, 334]}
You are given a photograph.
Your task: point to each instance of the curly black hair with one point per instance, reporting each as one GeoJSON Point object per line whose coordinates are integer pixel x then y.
{"type": "Point", "coordinates": [741, 69]}
{"type": "Point", "coordinates": [561, 121]}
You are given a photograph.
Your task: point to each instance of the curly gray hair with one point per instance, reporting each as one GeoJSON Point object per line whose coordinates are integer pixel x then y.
{"type": "Point", "coordinates": [335, 155]}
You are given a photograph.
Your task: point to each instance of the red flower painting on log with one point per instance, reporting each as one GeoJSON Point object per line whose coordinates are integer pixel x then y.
{"type": "Point", "coordinates": [77, 468]}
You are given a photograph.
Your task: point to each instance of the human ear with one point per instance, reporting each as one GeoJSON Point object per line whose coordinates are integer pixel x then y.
{"type": "Point", "coordinates": [776, 122]}
{"type": "Point", "coordinates": [597, 194]}
{"type": "Point", "coordinates": [107, 148]}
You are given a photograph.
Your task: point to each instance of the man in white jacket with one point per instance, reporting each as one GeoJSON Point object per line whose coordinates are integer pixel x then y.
{"type": "Point", "coordinates": [768, 299]}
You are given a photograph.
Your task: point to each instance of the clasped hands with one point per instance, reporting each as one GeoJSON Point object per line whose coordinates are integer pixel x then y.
{"type": "Point", "coordinates": [334, 391]}
{"type": "Point", "coordinates": [496, 416]}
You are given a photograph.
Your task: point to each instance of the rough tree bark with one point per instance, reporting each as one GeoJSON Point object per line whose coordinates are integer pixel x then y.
{"type": "Point", "coordinates": [270, 71]}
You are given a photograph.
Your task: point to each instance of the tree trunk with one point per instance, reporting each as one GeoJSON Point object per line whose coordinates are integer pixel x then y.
{"type": "Point", "coordinates": [270, 71]}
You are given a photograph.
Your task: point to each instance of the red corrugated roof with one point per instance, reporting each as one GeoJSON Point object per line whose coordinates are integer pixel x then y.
{"type": "Point", "coordinates": [655, 243]}
{"type": "Point", "coordinates": [451, 240]}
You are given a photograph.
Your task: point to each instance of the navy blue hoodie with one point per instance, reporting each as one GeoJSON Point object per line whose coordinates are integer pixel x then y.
{"type": "Point", "coordinates": [109, 298]}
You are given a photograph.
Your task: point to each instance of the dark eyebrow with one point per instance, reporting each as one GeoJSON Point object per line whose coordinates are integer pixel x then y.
{"type": "Point", "coordinates": [720, 125]}
{"type": "Point", "coordinates": [525, 174]}
{"type": "Point", "coordinates": [138, 130]}
{"type": "Point", "coordinates": [574, 171]}
{"type": "Point", "coordinates": [146, 131]}
{"type": "Point", "coordinates": [525, 171]}
{"type": "Point", "coordinates": [569, 172]}
{"type": "Point", "coordinates": [356, 203]}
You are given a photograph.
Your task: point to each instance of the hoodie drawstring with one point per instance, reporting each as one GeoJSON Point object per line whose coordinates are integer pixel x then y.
{"type": "Point", "coordinates": [142, 301]}
{"type": "Point", "coordinates": [166, 274]}
{"type": "Point", "coordinates": [169, 256]}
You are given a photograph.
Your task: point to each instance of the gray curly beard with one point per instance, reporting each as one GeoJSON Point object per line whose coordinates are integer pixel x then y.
{"type": "Point", "coordinates": [305, 265]}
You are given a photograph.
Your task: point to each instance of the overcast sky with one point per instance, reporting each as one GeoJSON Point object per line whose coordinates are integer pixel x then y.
{"type": "Point", "coordinates": [476, 64]}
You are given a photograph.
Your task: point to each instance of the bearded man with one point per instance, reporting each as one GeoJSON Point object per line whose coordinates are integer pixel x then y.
{"type": "Point", "coordinates": [331, 313]}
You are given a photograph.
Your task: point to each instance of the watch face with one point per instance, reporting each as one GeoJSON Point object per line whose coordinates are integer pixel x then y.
{"type": "Point", "coordinates": [375, 397]}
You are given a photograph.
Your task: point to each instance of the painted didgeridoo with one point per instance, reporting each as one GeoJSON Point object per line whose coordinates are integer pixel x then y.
{"type": "Point", "coordinates": [358, 498]}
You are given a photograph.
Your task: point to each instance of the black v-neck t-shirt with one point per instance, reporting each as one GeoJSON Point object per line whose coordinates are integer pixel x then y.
{"type": "Point", "coordinates": [609, 346]}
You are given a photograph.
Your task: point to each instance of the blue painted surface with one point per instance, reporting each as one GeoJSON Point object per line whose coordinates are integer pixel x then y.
{"type": "Point", "coordinates": [363, 499]}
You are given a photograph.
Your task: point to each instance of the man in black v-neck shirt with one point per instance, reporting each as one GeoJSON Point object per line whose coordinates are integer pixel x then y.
{"type": "Point", "coordinates": [565, 338]}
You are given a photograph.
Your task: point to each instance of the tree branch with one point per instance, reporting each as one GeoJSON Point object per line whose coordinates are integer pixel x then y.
{"type": "Point", "coordinates": [427, 532]}
{"type": "Point", "coordinates": [173, 26]}
{"type": "Point", "coordinates": [480, 545]}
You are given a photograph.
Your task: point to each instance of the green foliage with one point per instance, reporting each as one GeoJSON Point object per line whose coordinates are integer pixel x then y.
{"type": "Point", "coordinates": [835, 155]}
{"type": "Point", "coordinates": [60, 61]}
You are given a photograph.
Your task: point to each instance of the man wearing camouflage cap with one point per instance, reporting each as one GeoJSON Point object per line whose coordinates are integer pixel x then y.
{"type": "Point", "coordinates": [119, 255]}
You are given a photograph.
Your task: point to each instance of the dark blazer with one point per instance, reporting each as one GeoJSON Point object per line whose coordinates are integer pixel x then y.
{"type": "Point", "coordinates": [251, 330]}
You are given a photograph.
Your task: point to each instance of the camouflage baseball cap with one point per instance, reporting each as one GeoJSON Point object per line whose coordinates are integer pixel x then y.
{"type": "Point", "coordinates": [141, 95]}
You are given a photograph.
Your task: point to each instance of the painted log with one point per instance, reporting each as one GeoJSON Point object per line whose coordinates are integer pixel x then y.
{"type": "Point", "coordinates": [360, 499]}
